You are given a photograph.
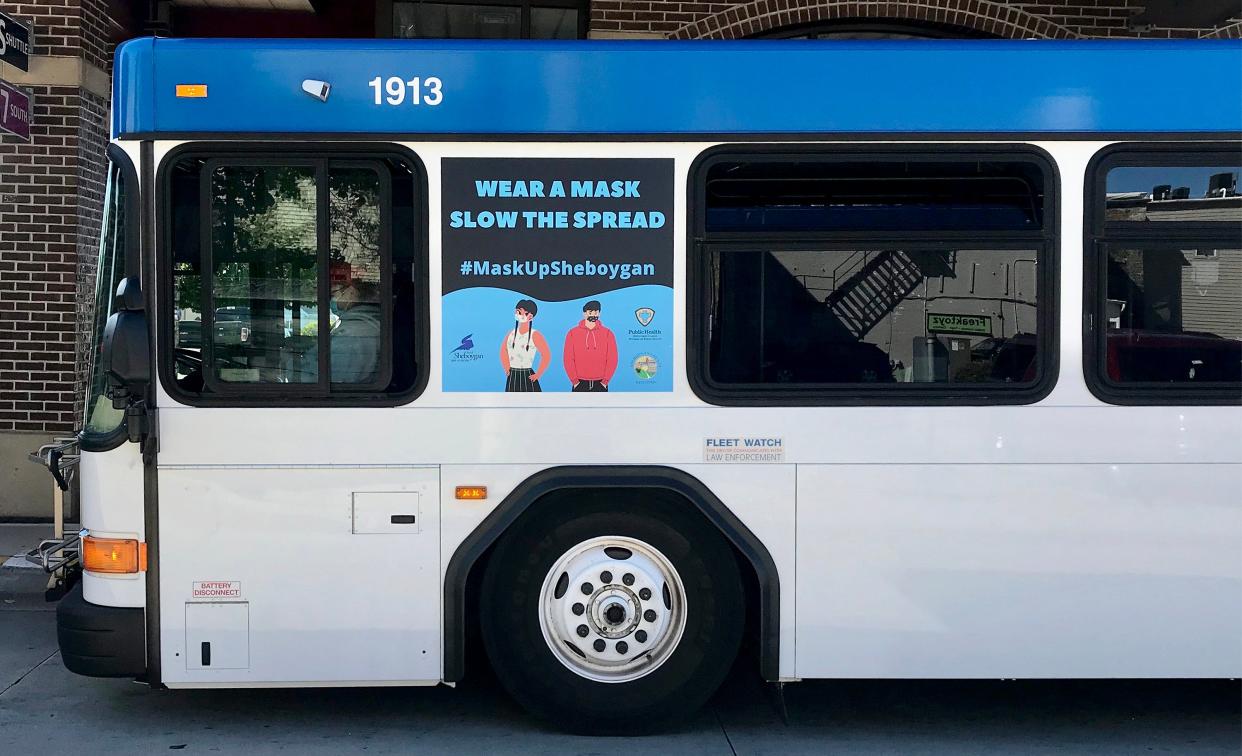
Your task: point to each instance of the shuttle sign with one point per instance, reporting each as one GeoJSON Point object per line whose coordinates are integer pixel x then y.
{"type": "Point", "coordinates": [14, 42]}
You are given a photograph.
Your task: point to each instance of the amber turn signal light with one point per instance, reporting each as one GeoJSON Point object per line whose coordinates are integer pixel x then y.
{"type": "Point", "coordinates": [192, 90]}
{"type": "Point", "coordinates": [113, 555]}
{"type": "Point", "coordinates": [472, 493]}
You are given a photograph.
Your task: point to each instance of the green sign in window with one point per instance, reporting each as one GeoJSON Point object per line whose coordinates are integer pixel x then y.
{"type": "Point", "coordinates": [973, 325]}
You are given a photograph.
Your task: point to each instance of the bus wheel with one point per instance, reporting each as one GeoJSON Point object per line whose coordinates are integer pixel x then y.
{"type": "Point", "coordinates": [607, 621]}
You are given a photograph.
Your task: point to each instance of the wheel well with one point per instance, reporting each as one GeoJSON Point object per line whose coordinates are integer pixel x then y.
{"type": "Point", "coordinates": [558, 486]}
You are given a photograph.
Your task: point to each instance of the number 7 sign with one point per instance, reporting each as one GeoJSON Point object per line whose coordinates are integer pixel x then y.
{"type": "Point", "coordinates": [15, 113]}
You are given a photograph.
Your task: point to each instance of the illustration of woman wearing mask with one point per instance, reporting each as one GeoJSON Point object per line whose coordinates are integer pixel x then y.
{"type": "Point", "coordinates": [520, 348]}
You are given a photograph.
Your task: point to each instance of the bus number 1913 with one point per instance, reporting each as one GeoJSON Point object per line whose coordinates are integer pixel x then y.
{"type": "Point", "coordinates": [394, 90]}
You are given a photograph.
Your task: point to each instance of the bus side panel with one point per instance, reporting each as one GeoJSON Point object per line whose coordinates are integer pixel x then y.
{"type": "Point", "coordinates": [984, 571]}
{"type": "Point", "coordinates": [111, 486]}
{"type": "Point", "coordinates": [764, 498]}
{"type": "Point", "coordinates": [280, 575]}
{"type": "Point", "coordinates": [760, 496]}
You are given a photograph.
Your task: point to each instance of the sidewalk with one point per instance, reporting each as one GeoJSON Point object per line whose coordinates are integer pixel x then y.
{"type": "Point", "coordinates": [17, 539]}
{"type": "Point", "coordinates": [21, 583]}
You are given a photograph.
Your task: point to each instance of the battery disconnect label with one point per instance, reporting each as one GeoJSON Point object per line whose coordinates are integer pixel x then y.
{"type": "Point", "coordinates": [216, 590]}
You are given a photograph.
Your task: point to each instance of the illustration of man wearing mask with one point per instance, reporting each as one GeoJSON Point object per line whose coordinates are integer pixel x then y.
{"type": "Point", "coordinates": [520, 348]}
{"type": "Point", "coordinates": [590, 352]}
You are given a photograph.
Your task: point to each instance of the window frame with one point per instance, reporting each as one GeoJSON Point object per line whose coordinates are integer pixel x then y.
{"type": "Point", "coordinates": [323, 155]}
{"type": "Point", "coordinates": [1099, 233]}
{"type": "Point", "coordinates": [1045, 242]}
{"type": "Point", "coordinates": [387, 23]}
{"type": "Point", "coordinates": [131, 262]}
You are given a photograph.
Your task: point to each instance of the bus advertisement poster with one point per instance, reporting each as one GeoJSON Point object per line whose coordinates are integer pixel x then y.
{"type": "Point", "coordinates": [557, 274]}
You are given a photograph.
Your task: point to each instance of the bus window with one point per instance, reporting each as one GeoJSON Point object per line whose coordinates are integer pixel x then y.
{"type": "Point", "coordinates": [294, 278]}
{"type": "Point", "coordinates": [264, 273]}
{"type": "Point", "coordinates": [1166, 275]}
{"type": "Point", "coordinates": [1205, 194]}
{"type": "Point", "coordinates": [355, 270]}
{"type": "Point", "coordinates": [884, 278]}
{"type": "Point", "coordinates": [1176, 315]}
{"type": "Point", "coordinates": [102, 419]}
{"type": "Point", "coordinates": [888, 316]}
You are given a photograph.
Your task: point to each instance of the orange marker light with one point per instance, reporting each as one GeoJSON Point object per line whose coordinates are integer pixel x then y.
{"type": "Point", "coordinates": [191, 90]}
{"type": "Point", "coordinates": [113, 555]}
{"type": "Point", "coordinates": [472, 493]}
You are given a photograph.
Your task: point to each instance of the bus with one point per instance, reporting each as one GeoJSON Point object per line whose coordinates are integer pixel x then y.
{"type": "Point", "coordinates": [907, 360]}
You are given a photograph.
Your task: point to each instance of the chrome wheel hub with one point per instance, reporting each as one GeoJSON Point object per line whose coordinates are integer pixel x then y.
{"type": "Point", "coordinates": [612, 609]}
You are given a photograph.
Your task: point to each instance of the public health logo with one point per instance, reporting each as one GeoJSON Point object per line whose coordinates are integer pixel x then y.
{"type": "Point", "coordinates": [645, 315]}
{"type": "Point", "coordinates": [645, 367]}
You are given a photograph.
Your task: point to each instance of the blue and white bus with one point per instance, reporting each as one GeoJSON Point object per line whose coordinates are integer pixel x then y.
{"type": "Point", "coordinates": [922, 360]}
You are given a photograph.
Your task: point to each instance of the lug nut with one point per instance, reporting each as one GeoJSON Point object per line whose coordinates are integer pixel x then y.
{"type": "Point", "coordinates": [599, 644]}
{"type": "Point", "coordinates": [641, 636]}
{"type": "Point", "coordinates": [622, 647]}
{"type": "Point", "coordinates": [628, 579]}
{"type": "Point", "coordinates": [577, 609]}
{"type": "Point", "coordinates": [582, 631]}
{"type": "Point", "coordinates": [587, 588]}
{"type": "Point", "coordinates": [605, 577]}
{"type": "Point", "coordinates": [644, 594]}
{"type": "Point", "coordinates": [649, 615]}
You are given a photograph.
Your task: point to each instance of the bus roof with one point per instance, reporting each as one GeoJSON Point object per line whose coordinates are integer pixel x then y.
{"type": "Point", "coordinates": [679, 88]}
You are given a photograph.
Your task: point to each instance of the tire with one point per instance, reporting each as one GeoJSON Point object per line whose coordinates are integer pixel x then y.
{"type": "Point", "coordinates": [644, 691]}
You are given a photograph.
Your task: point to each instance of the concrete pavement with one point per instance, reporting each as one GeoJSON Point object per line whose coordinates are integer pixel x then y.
{"type": "Point", "coordinates": [16, 538]}
{"type": "Point", "coordinates": [22, 584]}
{"type": "Point", "coordinates": [45, 708]}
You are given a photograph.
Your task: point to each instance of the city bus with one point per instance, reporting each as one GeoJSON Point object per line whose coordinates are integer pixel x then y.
{"type": "Point", "coordinates": [922, 360]}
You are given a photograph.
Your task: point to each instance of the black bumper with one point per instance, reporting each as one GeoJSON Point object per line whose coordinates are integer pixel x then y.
{"type": "Point", "coordinates": [100, 641]}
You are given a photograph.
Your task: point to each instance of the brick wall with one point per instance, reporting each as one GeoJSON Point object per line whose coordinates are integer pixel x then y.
{"type": "Point", "coordinates": [715, 20]}
{"type": "Point", "coordinates": [57, 25]}
{"type": "Point", "coordinates": [38, 223]}
{"type": "Point", "coordinates": [51, 193]}
{"type": "Point", "coordinates": [96, 37]}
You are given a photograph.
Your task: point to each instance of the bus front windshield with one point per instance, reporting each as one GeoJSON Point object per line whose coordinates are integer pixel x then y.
{"type": "Point", "coordinates": [101, 419]}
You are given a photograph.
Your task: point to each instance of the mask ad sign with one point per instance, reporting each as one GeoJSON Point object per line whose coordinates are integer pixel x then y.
{"type": "Point", "coordinates": [558, 274]}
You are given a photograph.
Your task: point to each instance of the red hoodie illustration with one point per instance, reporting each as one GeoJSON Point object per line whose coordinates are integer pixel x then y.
{"type": "Point", "coordinates": [590, 353]}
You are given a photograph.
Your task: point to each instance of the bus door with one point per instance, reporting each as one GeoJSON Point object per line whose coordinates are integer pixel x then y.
{"type": "Point", "coordinates": [287, 347]}
{"type": "Point", "coordinates": [110, 469]}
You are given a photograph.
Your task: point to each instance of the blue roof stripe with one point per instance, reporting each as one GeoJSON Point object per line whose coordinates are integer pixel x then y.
{"type": "Point", "coordinates": [685, 87]}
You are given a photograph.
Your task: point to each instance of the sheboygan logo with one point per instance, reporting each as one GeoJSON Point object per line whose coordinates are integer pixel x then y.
{"type": "Point", "coordinates": [644, 315]}
{"type": "Point", "coordinates": [464, 352]}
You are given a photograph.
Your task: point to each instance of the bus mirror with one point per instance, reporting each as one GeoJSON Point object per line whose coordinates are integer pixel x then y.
{"type": "Point", "coordinates": [129, 295]}
{"type": "Point", "coordinates": [125, 352]}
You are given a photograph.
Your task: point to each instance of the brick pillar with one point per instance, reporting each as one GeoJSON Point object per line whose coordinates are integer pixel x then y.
{"type": "Point", "coordinates": [51, 195]}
